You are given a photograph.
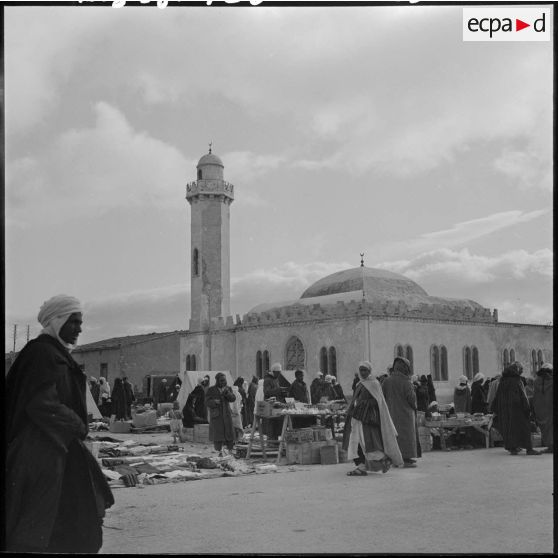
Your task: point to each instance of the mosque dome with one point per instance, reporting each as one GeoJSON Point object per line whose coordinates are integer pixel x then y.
{"type": "Point", "coordinates": [376, 283]}
{"type": "Point", "coordinates": [210, 159]}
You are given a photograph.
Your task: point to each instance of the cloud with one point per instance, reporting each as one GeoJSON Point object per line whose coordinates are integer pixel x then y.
{"type": "Point", "coordinates": [93, 170]}
{"type": "Point", "coordinates": [465, 231]}
{"type": "Point", "coordinates": [494, 281]}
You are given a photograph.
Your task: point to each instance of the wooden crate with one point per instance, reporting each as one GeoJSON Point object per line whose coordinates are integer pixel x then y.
{"type": "Point", "coordinates": [201, 433]}
{"type": "Point", "coordinates": [329, 455]}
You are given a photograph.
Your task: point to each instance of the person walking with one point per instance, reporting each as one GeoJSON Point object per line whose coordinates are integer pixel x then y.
{"type": "Point", "coordinates": [163, 392]}
{"type": "Point", "coordinates": [55, 492]}
{"type": "Point", "coordinates": [543, 404]}
{"type": "Point", "coordinates": [462, 396]}
{"type": "Point", "coordinates": [512, 412]}
{"type": "Point", "coordinates": [402, 404]}
{"type": "Point", "coordinates": [221, 429]}
{"type": "Point", "coordinates": [369, 436]}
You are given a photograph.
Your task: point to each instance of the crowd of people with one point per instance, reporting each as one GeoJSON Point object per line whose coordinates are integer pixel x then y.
{"type": "Point", "coordinates": [56, 494]}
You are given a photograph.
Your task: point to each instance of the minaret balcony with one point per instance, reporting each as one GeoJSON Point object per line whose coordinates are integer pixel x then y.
{"type": "Point", "coordinates": [209, 187]}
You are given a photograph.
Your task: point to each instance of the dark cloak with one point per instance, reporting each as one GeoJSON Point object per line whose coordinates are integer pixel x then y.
{"type": "Point", "coordinates": [119, 400]}
{"type": "Point", "coordinates": [478, 397]}
{"type": "Point", "coordinates": [543, 406]}
{"type": "Point", "coordinates": [194, 411]}
{"type": "Point", "coordinates": [512, 411]}
{"type": "Point", "coordinates": [56, 493]}
{"type": "Point", "coordinates": [220, 416]}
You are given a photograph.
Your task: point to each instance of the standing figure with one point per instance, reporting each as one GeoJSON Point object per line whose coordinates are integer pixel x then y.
{"type": "Point", "coordinates": [369, 435]}
{"type": "Point", "coordinates": [423, 398]}
{"type": "Point", "coordinates": [163, 392]}
{"type": "Point", "coordinates": [337, 389]}
{"type": "Point", "coordinates": [402, 404]}
{"type": "Point", "coordinates": [95, 389]}
{"type": "Point", "coordinates": [431, 388]}
{"type": "Point", "coordinates": [316, 388]}
{"type": "Point", "coordinates": [175, 416]}
{"type": "Point", "coordinates": [130, 397]}
{"type": "Point", "coordinates": [543, 405]}
{"type": "Point", "coordinates": [272, 388]}
{"type": "Point", "coordinates": [105, 406]}
{"type": "Point", "coordinates": [299, 390]}
{"type": "Point", "coordinates": [239, 383]}
{"type": "Point", "coordinates": [328, 393]}
{"type": "Point", "coordinates": [119, 403]}
{"type": "Point", "coordinates": [478, 394]}
{"type": "Point", "coordinates": [251, 400]}
{"type": "Point", "coordinates": [512, 412]}
{"type": "Point", "coordinates": [218, 397]}
{"type": "Point", "coordinates": [55, 492]}
{"type": "Point", "coordinates": [462, 396]}
{"type": "Point", "coordinates": [236, 412]}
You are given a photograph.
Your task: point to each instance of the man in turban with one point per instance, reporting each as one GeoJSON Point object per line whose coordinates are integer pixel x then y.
{"type": "Point", "coordinates": [56, 493]}
{"type": "Point", "coordinates": [369, 435]}
{"type": "Point", "coordinates": [543, 405]}
{"type": "Point", "coordinates": [402, 404]}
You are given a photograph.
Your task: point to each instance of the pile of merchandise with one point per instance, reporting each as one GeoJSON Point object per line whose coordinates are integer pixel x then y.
{"type": "Point", "coordinates": [129, 463]}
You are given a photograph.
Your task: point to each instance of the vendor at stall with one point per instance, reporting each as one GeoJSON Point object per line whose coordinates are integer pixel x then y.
{"type": "Point", "coordinates": [272, 388]}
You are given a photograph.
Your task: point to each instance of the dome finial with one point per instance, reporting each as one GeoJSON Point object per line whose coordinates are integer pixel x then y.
{"type": "Point", "coordinates": [210, 146]}
{"type": "Point", "coordinates": [362, 260]}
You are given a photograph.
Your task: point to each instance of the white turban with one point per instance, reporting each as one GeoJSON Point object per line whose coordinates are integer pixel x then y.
{"type": "Point", "coordinates": [54, 314]}
{"type": "Point", "coordinates": [58, 306]}
{"type": "Point", "coordinates": [276, 367]}
{"type": "Point", "coordinates": [366, 364]}
{"type": "Point", "coordinates": [478, 376]}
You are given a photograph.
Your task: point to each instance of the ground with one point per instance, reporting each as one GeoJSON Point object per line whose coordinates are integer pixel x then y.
{"type": "Point", "coordinates": [467, 501]}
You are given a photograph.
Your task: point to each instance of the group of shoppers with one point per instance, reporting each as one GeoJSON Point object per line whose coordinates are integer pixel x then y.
{"type": "Point", "coordinates": [115, 403]}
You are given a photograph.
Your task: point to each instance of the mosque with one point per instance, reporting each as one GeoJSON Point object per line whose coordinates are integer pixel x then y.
{"type": "Point", "coordinates": [355, 314]}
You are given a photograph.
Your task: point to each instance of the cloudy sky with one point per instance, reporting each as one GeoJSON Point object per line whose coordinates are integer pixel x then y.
{"type": "Point", "coordinates": [344, 130]}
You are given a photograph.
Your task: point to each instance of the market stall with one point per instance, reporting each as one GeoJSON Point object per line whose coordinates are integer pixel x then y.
{"type": "Point", "coordinates": [444, 426]}
{"type": "Point", "coordinates": [296, 444]}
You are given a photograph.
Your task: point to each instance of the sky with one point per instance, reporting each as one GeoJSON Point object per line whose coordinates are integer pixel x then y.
{"type": "Point", "coordinates": [345, 130]}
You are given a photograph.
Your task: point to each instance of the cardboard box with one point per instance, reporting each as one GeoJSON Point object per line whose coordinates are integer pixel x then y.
{"type": "Point", "coordinates": [201, 433]}
{"type": "Point", "coordinates": [186, 435]}
{"type": "Point", "coordinates": [329, 455]}
{"type": "Point", "coordinates": [120, 427]}
{"type": "Point", "coordinates": [149, 418]}
{"type": "Point", "coordinates": [316, 455]}
{"type": "Point", "coordinates": [299, 453]}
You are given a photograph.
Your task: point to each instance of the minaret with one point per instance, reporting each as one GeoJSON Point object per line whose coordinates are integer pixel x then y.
{"type": "Point", "coordinates": [210, 198]}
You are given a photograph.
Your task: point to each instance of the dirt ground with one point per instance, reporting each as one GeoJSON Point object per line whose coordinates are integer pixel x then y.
{"type": "Point", "coordinates": [467, 501]}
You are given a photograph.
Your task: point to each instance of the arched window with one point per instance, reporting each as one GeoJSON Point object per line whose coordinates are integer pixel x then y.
{"type": "Point", "coordinates": [443, 364]}
{"type": "Point", "coordinates": [259, 364]}
{"type": "Point", "coordinates": [467, 362]}
{"type": "Point", "coordinates": [199, 174]}
{"type": "Point", "coordinates": [512, 355]}
{"type": "Point", "coordinates": [196, 262]}
{"type": "Point", "coordinates": [409, 356]}
{"type": "Point", "coordinates": [188, 365]}
{"type": "Point", "coordinates": [506, 357]}
{"type": "Point", "coordinates": [333, 361]}
{"type": "Point", "coordinates": [398, 351]}
{"type": "Point", "coordinates": [295, 354]}
{"type": "Point", "coordinates": [475, 353]}
{"type": "Point", "coordinates": [533, 360]}
{"type": "Point", "coordinates": [435, 363]}
{"type": "Point", "coordinates": [323, 360]}
{"type": "Point", "coordinates": [193, 362]}
{"type": "Point", "coordinates": [265, 363]}
{"type": "Point", "coordinates": [540, 359]}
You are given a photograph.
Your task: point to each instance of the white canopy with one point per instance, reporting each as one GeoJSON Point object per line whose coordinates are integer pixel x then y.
{"type": "Point", "coordinates": [92, 408]}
